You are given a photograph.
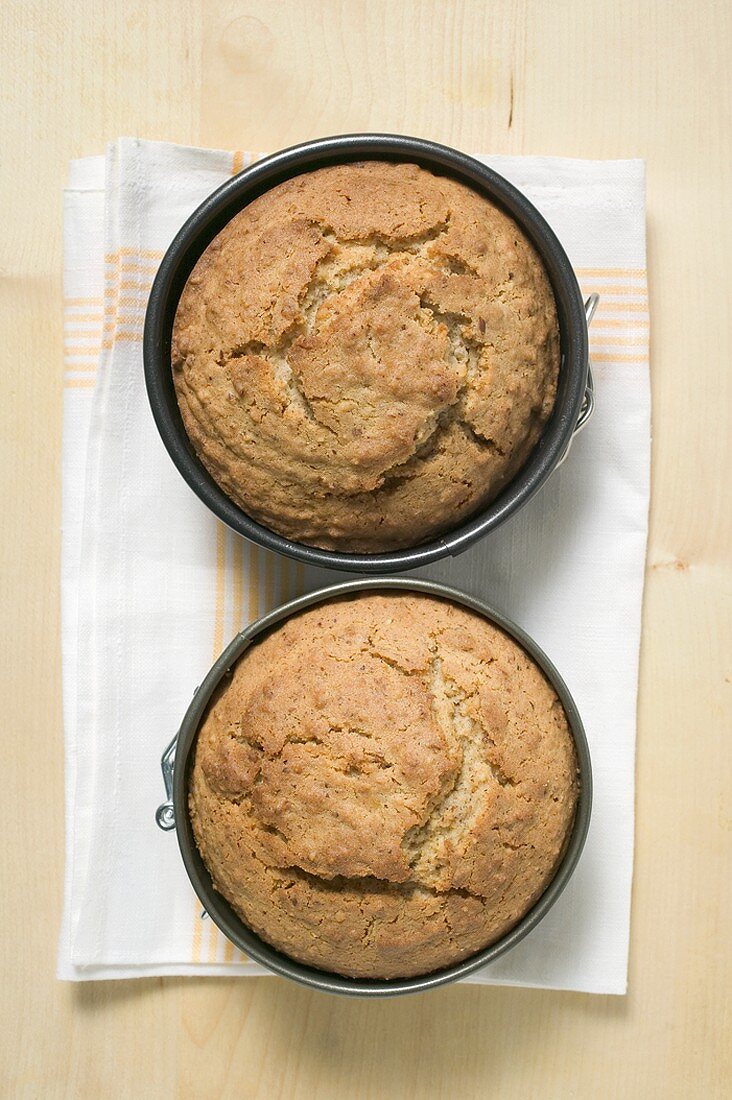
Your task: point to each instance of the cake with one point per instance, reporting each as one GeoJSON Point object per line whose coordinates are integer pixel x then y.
{"type": "Point", "coordinates": [384, 785]}
{"type": "Point", "coordinates": [365, 356]}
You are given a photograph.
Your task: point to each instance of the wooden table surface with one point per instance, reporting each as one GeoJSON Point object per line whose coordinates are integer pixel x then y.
{"type": "Point", "coordinates": [582, 78]}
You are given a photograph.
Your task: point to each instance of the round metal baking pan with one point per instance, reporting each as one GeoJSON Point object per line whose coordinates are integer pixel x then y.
{"type": "Point", "coordinates": [174, 812]}
{"type": "Point", "coordinates": [573, 401]}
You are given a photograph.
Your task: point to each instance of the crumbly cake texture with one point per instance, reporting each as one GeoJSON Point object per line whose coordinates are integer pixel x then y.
{"type": "Point", "coordinates": [365, 355]}
{"type": "Point", "coordinates": [384, 785]}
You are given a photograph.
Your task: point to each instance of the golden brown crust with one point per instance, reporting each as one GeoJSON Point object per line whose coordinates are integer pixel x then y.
{"type": "Point", "coordinates": [384, 785]}
{"type": "Point", "coordinates": [365, 355]}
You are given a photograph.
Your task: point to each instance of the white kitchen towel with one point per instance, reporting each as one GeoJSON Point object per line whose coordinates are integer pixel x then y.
{"type": "Point", "coordinates": [153, 585]}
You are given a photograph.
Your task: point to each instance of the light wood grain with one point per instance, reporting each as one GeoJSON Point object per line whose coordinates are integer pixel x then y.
{"type": "Point", "coordinates": [589, 79]}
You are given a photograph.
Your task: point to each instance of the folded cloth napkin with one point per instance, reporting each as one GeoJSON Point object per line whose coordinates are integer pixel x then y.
{"type": "Point", "coordinates": [153, 585]}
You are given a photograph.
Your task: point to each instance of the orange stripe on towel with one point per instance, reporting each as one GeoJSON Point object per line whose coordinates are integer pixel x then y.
{"type": "Point", "coordinates": [617, 357]}
{"type": "Point", "coordinates": [80, 383]}
{"type": "Point", "coordinates": [611, 272]}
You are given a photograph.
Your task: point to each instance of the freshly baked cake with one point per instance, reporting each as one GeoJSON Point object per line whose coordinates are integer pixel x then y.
{"type": "Point", "coordinates": [365, 355]}
{"type": "Point", "coordinates": [384, 785]}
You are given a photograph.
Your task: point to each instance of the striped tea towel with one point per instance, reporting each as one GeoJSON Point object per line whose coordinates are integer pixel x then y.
{"type": "Point", "coordinates": [154, 586]}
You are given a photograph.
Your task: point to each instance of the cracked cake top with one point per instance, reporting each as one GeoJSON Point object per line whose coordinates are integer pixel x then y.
{"type": "Point", "coordinates": [365, 355]}
{"type": "Point", "coordinates": [395, 796]}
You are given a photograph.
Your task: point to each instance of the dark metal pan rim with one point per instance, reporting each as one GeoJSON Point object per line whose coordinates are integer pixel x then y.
{"type": "Point", "coordinates": [210, 217]}
{"type": "Point", "coordinates": [174, 812]}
